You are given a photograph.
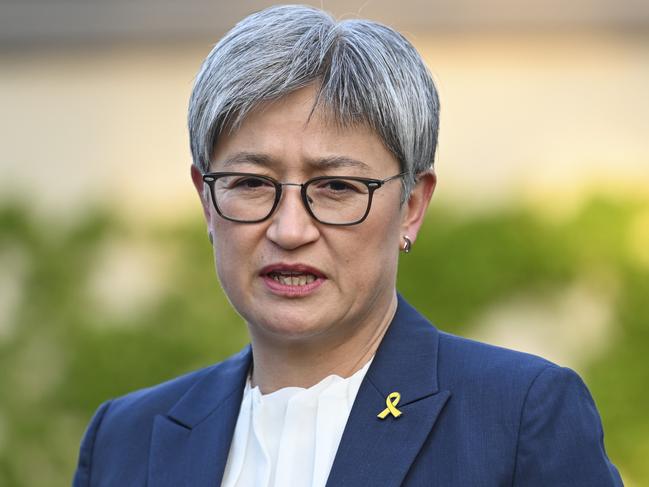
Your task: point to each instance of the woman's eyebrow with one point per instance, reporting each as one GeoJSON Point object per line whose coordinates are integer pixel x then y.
{"type": "Point", "coordinates": [319, 164]}
{"type": "Point", "coordinates": [244, 157]}
{"type": "Point", "coordinates": [336, 162]}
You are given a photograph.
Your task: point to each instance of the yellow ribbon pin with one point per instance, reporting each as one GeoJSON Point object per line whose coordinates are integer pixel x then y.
{"type": "Point", "coordinates": [391, 401]}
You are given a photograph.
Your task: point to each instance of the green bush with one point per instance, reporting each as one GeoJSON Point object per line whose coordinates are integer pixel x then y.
{"type": "Point", "coordinates": [63, 321]}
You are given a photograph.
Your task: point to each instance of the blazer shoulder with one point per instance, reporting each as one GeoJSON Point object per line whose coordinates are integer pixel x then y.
{"type": "Point", "coordinates": [159, 399]}
{"type": "Point", "coordinates": [117, 441]}
{"type": "Point", "coordinates": [462, 359]}
{"type": "Point", "coordinates": [162, 396]}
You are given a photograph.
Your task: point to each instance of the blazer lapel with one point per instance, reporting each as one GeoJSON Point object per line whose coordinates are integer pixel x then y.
{"type": "Point", "coordinates": [379, 452]}
{"type": "Point", "coordinates": [190, 444]}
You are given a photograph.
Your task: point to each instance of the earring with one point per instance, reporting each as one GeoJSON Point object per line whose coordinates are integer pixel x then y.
{"type": "Point", "coordinates": [210, 237]}
{"type": "Point", "coordinates": [407, 244]}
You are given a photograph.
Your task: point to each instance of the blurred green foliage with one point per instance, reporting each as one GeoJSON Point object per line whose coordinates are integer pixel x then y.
{"type": "Point", "coordinates": [63, 351]}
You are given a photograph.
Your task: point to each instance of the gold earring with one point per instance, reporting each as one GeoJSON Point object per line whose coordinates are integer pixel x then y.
{"type": "Point", "coordinates": [407, 244]}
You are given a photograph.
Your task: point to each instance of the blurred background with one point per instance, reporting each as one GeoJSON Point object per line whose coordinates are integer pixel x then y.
{"type": "Point", "coordinates": [537, 238]}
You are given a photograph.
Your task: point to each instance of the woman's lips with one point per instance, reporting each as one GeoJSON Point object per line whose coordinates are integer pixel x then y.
{"type": "Point", "coordinates": [292, 280]}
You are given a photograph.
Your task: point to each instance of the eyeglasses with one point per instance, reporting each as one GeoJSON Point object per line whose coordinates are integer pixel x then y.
{"type": "Point", "coordinates": [332, 200]}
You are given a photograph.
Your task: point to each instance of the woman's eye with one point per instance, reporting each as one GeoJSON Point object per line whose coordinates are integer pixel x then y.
{"type": "Point", "coordinates": [338, 185]}
{"type": "Point", "coordinates": [249, 183]}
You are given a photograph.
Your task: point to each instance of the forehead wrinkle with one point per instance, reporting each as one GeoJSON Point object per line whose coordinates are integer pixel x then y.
{"type": "Point", "coordinates": [326, 163]}
{"type": "Point", "coordinates": [245, 157]}
{"type": "Point", "coordinates": [336, 162]}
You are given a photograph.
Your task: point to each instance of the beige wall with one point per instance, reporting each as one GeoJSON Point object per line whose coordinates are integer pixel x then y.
{"type": "Point", "coordinates": [521, 115]}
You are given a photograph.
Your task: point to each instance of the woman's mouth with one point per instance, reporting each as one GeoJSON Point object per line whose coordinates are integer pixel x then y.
{"type": "Point", "coordinates": [290, 280]}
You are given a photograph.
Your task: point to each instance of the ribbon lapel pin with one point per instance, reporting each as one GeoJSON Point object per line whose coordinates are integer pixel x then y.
{"type": "Point", "coordinates": [391, 402]}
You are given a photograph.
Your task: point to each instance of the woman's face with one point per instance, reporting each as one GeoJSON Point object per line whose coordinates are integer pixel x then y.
{"type": "Point", "coordinates": [291, 277]}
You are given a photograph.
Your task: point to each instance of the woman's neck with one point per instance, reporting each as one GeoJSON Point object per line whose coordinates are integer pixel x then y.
{"type": "Point", "coordinates": [304, 363]}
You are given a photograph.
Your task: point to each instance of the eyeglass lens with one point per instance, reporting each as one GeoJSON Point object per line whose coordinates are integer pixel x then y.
{"type": "Point", "coordinates": [334, 200]}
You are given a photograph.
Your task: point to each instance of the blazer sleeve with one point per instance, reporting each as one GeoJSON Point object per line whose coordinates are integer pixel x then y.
{"type": "Point", "coordinates": [84, 468]}
{"type": "Point", "coordinates": [561, 440]}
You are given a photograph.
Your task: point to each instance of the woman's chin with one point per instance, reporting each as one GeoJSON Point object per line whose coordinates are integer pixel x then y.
{"type": "Point", "coordinates": [289, 329]}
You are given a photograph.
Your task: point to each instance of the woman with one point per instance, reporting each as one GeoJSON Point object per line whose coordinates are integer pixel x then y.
{"type": "Point", "coordinates": [313, 144]}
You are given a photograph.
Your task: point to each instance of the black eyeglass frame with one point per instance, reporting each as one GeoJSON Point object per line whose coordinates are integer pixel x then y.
{"type": "Point", "coordinates": [372, 185]}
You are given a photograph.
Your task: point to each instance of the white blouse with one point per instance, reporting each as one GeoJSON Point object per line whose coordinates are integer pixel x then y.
{"type": "Point", "coordinates": [289, 437]}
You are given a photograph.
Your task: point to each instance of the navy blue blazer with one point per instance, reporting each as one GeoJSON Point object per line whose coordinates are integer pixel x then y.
{"type": "Point", "coordinates": [473, 415]}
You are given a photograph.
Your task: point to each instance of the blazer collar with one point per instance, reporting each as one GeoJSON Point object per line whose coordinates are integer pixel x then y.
{"type": "Point", "coordinates": [190, 444]}
{"type": "Point", "coordinates": [379, 452]}
{"type": "Point", "coordinates": [225, 381]}
{"type": "Point", "coordinates": [407, 356]}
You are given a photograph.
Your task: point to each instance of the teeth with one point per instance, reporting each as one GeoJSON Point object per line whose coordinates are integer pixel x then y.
{"type": "Point", "coordinates": [293, 279]}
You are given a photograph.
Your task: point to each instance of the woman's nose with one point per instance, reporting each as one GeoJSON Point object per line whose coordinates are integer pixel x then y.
{"type": "Point", "coordinates": [291, 225]}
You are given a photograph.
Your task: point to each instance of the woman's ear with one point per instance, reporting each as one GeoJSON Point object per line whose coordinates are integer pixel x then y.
{"type": "Point", "coordinates": [415, 208]}
{"type": "Point", "coordinates": [197, 179]}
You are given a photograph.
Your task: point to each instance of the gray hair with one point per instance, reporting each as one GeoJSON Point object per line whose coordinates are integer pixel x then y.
{"type": "Point", "coordinates": [366, 73]}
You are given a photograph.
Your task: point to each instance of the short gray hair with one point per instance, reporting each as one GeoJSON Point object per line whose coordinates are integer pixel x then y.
{"type": "Point", "coordinates": [366, 73]}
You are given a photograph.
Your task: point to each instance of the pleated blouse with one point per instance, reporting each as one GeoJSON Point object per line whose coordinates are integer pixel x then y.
{"type": "Point", "coordinates": [290, 437]}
